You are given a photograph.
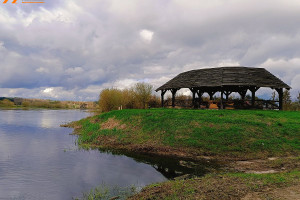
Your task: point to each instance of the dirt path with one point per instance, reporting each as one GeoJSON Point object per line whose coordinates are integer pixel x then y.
{"type": "Point", "coordinates": [266, 166]}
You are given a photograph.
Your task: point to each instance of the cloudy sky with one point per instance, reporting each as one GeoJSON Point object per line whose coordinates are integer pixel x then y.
{"type": "Point", "coordinates": [71, 49]}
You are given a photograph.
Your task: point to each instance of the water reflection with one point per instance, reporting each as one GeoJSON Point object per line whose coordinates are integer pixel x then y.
{"type": "Point", "coordinates": [171, 167]}
{"type": "Point", "coordinates": [39, 159]}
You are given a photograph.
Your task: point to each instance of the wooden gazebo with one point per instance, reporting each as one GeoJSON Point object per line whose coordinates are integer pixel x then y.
{"type": "Point", "coordinates": [224, 80]}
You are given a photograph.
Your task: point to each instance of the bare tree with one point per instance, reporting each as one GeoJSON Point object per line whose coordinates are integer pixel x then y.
{"type": "Point", "coordinates": [143, 93]}
{"type": "Point", "coordinates": [287, 97]}
{"type": "Point", "coordinates": [287, 100]}
{"type": "Point", "coordinates": [274, 96]}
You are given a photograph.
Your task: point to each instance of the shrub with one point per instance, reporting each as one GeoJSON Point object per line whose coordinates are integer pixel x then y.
{"type": "Point", "coordinates": [6, 103]}
{"type": "Point", "coordinates": [110, 99]}
{"type": "Point", "coordinates": [25, 104]}
{"type": "Point", "coordinates": [139, 96]}
{"type": "Point", "coordinates": [128, 98]}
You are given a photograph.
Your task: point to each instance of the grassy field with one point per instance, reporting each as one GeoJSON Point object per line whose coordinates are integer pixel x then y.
{"type": "Point", "coordinates": [248, 143]}
{"type": "Point", "coordinates": [233, 133]}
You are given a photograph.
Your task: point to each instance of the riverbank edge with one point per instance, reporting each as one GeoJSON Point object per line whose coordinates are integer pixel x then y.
{"type": "Point", "coordinates": [262, 164]}
{"type": "Point", "coordinates": [226, 186]}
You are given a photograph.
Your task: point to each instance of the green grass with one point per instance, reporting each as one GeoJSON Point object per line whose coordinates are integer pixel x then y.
{"type": "Point", "coordinates": [217, 132]}
{"type": "Point", "coordinates": [105, 192]}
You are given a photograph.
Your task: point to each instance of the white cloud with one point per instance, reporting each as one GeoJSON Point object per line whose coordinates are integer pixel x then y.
{"type": "Point", "coordinates": [42, 70]}
{"type": "Point", "coordinates": [48, 90]}
{"type": "Point", "coordinates": [146, 35]}
{"type": "Point", "coordinates": [50, 93]}
{"type": "Point", "coordinates": [125, 83]}
{"type": "Point", "coordinates": [286, 70]}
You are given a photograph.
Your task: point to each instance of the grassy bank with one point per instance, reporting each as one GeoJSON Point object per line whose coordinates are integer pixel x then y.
{"type": "Point", "coordinates": [192, 133]}
{"type": "Point", "coordinates": [248, 141]}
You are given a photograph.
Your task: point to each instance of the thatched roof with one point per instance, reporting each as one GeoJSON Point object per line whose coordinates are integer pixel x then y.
{"type": "Point", "coordinates": [225, 76]}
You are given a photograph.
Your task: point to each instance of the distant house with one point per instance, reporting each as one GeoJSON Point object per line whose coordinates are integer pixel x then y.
{"type": "Point", "coordinates": [224, 80]}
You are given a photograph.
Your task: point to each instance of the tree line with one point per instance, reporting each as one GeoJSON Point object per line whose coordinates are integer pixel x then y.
{"type": "Point", "coordinates": [139, 96]}
{"type": "Point", "coordinates": [43, 103]}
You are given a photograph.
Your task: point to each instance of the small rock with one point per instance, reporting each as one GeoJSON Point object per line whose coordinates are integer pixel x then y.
{"type": "Point", "coordinates": [262, 172]}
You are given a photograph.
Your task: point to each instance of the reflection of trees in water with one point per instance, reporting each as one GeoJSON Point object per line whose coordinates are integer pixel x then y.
{"type": "Point", "coordinates": [168, 173]}
{"type": "Point", "coordinates": [171, 167]}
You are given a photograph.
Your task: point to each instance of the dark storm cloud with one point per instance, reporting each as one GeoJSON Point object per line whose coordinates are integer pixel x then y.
{"type": "Point", "coordinates": [73, 49]}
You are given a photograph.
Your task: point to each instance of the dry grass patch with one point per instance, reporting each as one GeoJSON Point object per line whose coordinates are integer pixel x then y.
{"type": "Point", "coordinates": [288, 193]}
{"type": "Point", "coordinates": [226, 187]}
{"type": "Point", "coordinates": [112, 123]}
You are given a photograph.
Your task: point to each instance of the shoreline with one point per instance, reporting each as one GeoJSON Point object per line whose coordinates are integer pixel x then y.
{"type": "Point", "coordinates": [256, 165]}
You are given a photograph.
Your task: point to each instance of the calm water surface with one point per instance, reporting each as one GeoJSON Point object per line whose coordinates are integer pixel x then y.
{"type": "Point", "coordinates": [39, 159]}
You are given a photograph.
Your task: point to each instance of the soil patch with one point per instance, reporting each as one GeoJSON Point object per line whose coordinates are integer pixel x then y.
{"type": "Point", "coordinates": [264, 166]}
{"type": "Point", "coordinates": [288, 193]}
{"type": "Point", "coordinates": [111, 142]}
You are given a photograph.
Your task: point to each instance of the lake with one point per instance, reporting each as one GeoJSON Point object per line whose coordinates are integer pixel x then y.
{"type": "Point", "coordinates": [40, 160]}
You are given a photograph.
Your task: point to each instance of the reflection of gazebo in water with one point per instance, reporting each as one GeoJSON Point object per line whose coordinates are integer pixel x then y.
{"type": "Point", "coordinates": [224, 80]}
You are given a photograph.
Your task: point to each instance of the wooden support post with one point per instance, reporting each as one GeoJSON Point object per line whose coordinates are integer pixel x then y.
{"type": "Point", "coordinates": [243, 96]}
{"type": "Point", "coordinates": [227, 93]}
{"type": "Point", "coordinates": [222, 92]}
{"type": "Point", "coordinates": [199, 93]}
{"type": "Point", "coordinates": [193, 90]}
{"type": "Point", "coordinates": [243, 93]}
{"type": "Point", "coordinates": [173, 99]}
{"type": "Point", "coordinates": [173, 91]}
{"type": "Point", "coordinates": [253, 90]}
{"type": "Point", "coordinates": [280, 94]}
{"type": "Point", "coordinates": [253, 98]}
{"type": "Point", "coordinates": [162, 97]}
